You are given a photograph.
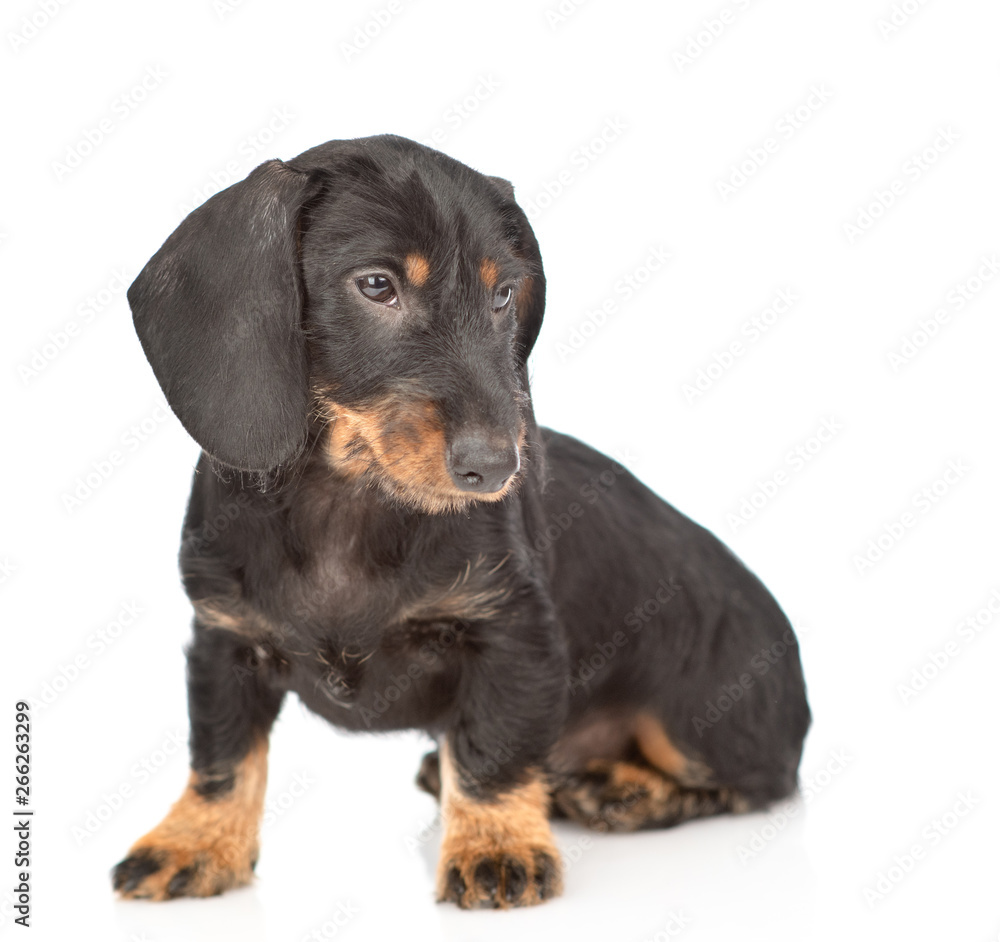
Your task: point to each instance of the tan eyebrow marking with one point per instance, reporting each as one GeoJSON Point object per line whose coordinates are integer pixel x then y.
{"type": "Point", "coordinates": [488, 271]}
{"type": "Point", "coordinates": [417, 269]}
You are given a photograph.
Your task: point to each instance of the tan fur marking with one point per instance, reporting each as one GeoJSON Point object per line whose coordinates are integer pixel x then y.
{"type": "Point", "coordinates": [489, 272]}
{"type": "Point", "coordinates": [217, 837]}
{"type": "Point", "coordinates": [213, 614]}
{"type": "Point", "coordinates": [656, 746]}
{"type": "Point", "coordinates": [402, 443]}
{"type": "Point", "coordinates": [463, 600]}
{"type": "Point", "coordinates": [466, 604]}
{"type": "Point", "coordinates": [230, 614]}
{"type": "Point", "coordinates": [622, 796]}
{"type": "Point", "coordinates": [514, 826]}
{"type": "Point", "coordinates": [418, 269]}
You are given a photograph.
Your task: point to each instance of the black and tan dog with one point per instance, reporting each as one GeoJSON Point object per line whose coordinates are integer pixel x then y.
{"type": "Point", "coordinates": [378, 525]}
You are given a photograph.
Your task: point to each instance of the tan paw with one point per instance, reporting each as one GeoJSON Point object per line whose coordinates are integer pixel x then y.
{"type": "Point", "coordinates": [497, 851]}
{"type": "Point", "coordinates": [160, 873]}
{"type": "Point", "coordinates": [500, 877]}
{"type": "Point", "coordinates": [206, 844]}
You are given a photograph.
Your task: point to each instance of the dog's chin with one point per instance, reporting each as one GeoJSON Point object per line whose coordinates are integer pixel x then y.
{"type": "Point", "coordinates": [438, 501]}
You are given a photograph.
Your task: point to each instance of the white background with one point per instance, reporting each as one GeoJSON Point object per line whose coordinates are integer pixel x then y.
{"type": "Point", "coordinates": [516, 91]}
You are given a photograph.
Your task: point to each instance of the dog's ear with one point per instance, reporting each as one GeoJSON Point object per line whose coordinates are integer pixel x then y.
{"type": "Point", "coordinates": [218, 310]}
{"type": "Point", "coordinates": [531, 297]}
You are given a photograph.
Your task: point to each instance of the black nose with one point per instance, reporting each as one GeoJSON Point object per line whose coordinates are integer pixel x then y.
{"type": "Point", "coordinates": [477, 463]}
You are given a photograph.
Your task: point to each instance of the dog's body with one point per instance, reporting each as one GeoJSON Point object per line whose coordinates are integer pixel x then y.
{"type": "Point", "coordinates": [383, 529]}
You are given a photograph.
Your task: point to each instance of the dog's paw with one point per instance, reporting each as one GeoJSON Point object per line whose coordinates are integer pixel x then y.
{"type": "Point", "coordinates": [203, 847]}
{"type": "Point", "coordinates": [620, 796]}
{"type": "Point", "coordinates": [499, 877]}
{"type": "Point", "coordinates": [207, 843]}
{"type": "Point", "coordinates": [611, 796]}
{"type": "Point", "coordinates": [497, 851]}
{"type": "Point", "coordinates": [195, 869]}
{"type": "Point", "coordinates": [183, 868]}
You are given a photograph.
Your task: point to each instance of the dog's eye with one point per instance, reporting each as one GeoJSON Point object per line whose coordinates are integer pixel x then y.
{"type": "Point", "coordinates": [378, 288]}
{"type": "Point", "coordinates": [501, 298]}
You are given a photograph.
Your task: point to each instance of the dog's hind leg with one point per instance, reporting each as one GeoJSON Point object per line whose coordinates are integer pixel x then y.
{"type": "Point", "coordinates": [649, 784]}
{"type": "Point", "coordinates": [623, 796]}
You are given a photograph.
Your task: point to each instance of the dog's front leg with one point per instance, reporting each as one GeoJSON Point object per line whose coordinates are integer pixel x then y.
{"type": "Point", "coordinates": [497, 849]}
{"type": "Point", "coordinates": [207, 843]}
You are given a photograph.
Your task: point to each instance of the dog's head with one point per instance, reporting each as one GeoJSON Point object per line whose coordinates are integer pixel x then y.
{"type": "Point", "coordinates": [376, 286]}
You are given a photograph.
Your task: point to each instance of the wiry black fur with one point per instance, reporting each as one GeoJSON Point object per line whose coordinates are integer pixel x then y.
{"type": "Point", "coordinates": [480, 624]}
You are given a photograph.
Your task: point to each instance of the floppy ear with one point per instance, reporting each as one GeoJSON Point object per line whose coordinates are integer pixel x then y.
{"type": "Point", "coordinates": [218, 309]}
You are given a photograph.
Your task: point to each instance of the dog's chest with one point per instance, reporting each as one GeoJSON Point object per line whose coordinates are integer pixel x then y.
{"type": "Point", "coordinates": [366, 616]}
{"type": "Point", "coordinates": [379, 652]}
{"type": "Point", "coordinates": [407, 677]}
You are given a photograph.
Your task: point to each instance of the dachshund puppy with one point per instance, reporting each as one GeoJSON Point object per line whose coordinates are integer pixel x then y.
{"type": "Point", "coordinates": [378, 524]}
